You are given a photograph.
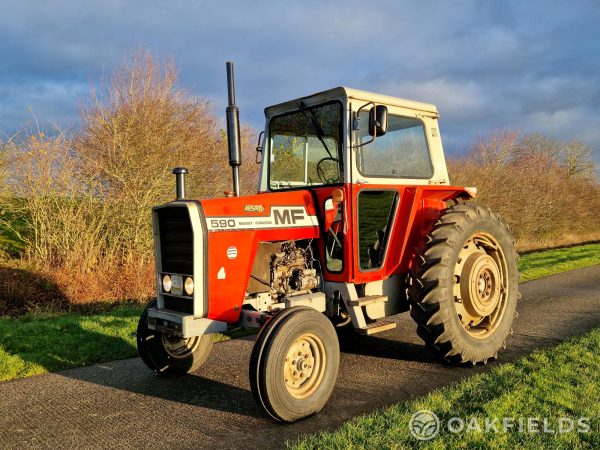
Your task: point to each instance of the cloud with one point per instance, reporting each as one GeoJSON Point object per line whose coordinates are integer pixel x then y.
{"type": "Point", "coordinates": [486, 65]}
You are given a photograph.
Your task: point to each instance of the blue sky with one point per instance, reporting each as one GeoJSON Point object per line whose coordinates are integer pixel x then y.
{"type": "Point", "coordinates": [528, 65]}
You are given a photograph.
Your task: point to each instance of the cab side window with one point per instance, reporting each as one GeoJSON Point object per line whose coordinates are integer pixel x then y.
{"type": "Point", "coordinates": [375, 215]}
{"type": "Point", "coordinates": [400, 153]}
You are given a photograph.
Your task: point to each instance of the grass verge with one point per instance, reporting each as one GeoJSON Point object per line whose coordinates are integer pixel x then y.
{"type": "Point", "coordinates": [36, 344]}
{"type": "Point", "coordinates": [541, 264]}
{"type": "Point", "coordinates": [558, 382]}
{"type": "Point", "coordinates": [45, 343]}
{"type": "Point", "coordinates": [41, 343]}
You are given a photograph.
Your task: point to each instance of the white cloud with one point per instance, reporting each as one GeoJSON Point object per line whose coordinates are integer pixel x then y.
{"type": "Point", "coordinates": [456, 99]}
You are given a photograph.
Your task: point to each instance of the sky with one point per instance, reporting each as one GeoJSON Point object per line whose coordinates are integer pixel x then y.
{"type": "Point", "coordinates": [533, 66]}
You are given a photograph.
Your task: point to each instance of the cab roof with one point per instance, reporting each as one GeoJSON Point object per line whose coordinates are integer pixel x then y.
{"type": "Point", "coordinates": [351, 94]}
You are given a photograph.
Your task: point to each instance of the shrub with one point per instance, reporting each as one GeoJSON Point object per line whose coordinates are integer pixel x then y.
{"type": "Point", "coordinates": [85, 199]}
{"type": "Point", "coordinates": [544, 188]}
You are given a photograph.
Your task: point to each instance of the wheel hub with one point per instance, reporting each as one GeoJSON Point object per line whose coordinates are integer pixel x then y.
{"type": "Point", "coordinates": [479, 284]}
{"type": "Point", "coordinates": [179, 348]}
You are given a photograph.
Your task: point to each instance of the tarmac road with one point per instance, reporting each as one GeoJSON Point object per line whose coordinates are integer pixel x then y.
{"type": "Point", "coordinates": [122, 404]}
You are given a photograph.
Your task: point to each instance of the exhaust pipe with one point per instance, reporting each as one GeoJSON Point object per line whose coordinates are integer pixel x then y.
{"type": "Point", "coordinates": [233, 131]}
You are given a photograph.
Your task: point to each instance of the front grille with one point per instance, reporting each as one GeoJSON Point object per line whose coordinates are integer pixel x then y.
{"type": "Point", "coordinates": [176, 251]}
{"type": "Point", "coordinates": [176, 240]}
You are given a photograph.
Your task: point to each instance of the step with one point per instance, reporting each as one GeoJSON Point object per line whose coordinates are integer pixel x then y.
{"type": "Point", "coordinates": [377, 327]}
{"type": "Point", "coordinates": [369, 299]}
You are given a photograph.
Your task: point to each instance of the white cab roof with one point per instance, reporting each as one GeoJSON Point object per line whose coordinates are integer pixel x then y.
{"type": "Point", "coordinates": [351, 94]}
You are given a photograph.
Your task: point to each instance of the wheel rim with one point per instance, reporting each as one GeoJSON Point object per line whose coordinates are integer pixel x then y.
{"type": "Point", "coordinates": [180, 348]}
{"type": "Point", "coordinates": [304, 366]}
{"type": "Point", "coordinates": [480, 285]}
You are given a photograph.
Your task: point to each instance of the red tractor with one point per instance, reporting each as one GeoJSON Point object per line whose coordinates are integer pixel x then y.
{"type": "Point", "coordinates": [354, 221]}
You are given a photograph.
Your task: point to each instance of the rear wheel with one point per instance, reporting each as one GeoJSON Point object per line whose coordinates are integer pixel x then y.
{"type": "Point", "coordinates": [464, 289]}
{"type": "Point", "coordinates": [170, 355]}
{"type": "Point", "coordinates": [294, 364]}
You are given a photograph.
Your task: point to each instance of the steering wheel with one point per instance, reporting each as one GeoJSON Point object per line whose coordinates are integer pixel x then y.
{"type": "Point", "coordinates": [321, 171]}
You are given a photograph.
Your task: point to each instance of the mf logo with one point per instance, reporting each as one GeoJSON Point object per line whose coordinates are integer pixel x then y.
{"type": "Point", "coordinates": [288, 216]}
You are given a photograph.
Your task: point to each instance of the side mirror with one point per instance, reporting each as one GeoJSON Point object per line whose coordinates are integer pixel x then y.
{"type": "Point", "coordinates": [259, 148]}
{"type": "Point", "coordinates": [378, 120]}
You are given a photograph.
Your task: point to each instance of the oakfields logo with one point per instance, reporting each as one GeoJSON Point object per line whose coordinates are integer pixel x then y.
{"type": "Point", "coordinates": [425, 425]}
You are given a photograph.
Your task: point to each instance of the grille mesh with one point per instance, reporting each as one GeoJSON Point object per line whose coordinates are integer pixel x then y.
{"type": "Point", "coordinates": [176, 240]}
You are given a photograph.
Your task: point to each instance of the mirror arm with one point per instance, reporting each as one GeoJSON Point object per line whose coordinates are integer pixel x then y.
{"type": "Point", "coordinates": [356, 119]}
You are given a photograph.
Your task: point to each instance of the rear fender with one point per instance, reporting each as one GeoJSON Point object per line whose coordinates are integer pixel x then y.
{"type": "Point", "coordinates": [419, 210]}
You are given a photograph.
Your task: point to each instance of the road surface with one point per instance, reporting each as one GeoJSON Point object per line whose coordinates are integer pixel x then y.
{"type": "Point", "coordinates": [122, 404]}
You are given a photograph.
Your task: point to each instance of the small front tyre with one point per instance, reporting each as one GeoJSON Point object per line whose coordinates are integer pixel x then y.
{"type": "Point", "coordinates": [170, 355]}
{"type": "Point", "coordinates": [294, 364]}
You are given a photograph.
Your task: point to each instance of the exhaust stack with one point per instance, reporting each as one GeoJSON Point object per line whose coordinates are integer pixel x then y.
{"type": "Point", "coordinates": [233, 131]}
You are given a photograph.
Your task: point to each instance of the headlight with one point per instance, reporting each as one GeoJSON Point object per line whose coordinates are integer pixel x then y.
{"type": "Point", "coordinates": [166, 282]}
{"type": "Point", "coordinates": [189, 286]}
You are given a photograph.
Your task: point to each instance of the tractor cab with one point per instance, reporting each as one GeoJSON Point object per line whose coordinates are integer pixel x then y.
{"type": "Point", "coordinates": [357, 152]}
{"type": "Point", "coordinates": [348, 136]}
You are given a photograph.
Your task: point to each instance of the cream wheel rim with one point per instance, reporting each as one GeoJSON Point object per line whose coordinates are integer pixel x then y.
{"type": "Point", "coordinates": [304, 366]}
{"type": "Point", "coordinates": [480, 285]}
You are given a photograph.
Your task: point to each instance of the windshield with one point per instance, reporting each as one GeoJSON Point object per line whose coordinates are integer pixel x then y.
{"type": "Point", "coordinates": [306, 147]}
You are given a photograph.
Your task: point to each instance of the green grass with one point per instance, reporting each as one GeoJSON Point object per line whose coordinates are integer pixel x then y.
{"type": "Point", "coordinates": [38, 344]}
{"type": "Point", "coordinates": [562, 381]}
{"type": "Point", "coordinates": [541, 264]}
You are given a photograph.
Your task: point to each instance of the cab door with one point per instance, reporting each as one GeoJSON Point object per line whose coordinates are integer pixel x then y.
{"type": "Point", "coordinates": [384, 168]}
{"type": "Point", "coordinates": [334, 206]}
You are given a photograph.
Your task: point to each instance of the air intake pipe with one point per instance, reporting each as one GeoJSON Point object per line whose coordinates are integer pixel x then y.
{"type": "Point", "coordinates": [233, 131]}
{"type": "Point", "coordinates": [180, 173]}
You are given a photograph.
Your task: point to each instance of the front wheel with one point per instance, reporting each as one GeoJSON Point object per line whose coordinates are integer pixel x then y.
{"type": "Point", "coordinates": [170, 355]}
{"type": "Point", "coordinates": [464, 288]}
{"type": "Point", "coordinates": [294, 364]}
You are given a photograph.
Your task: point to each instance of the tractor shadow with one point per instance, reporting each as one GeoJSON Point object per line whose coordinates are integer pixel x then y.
{"type": "Point", "coordinates": [232, 394]}
{"type": "Point", "coordinates": [389, 346]}
{"type": "Point", "coordinates": [132, 376]}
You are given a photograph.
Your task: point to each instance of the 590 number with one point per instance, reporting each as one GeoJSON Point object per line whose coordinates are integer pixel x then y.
{"type": "Point", "coordinates": [222, 223]}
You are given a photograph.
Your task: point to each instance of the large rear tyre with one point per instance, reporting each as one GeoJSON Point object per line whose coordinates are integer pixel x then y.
{"type": "Point", "coordinates": [294, 364]}
{"type": "Point", "coordinates": [170, 355]}
{"type": "Point", "coordinates": [464, 288]}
